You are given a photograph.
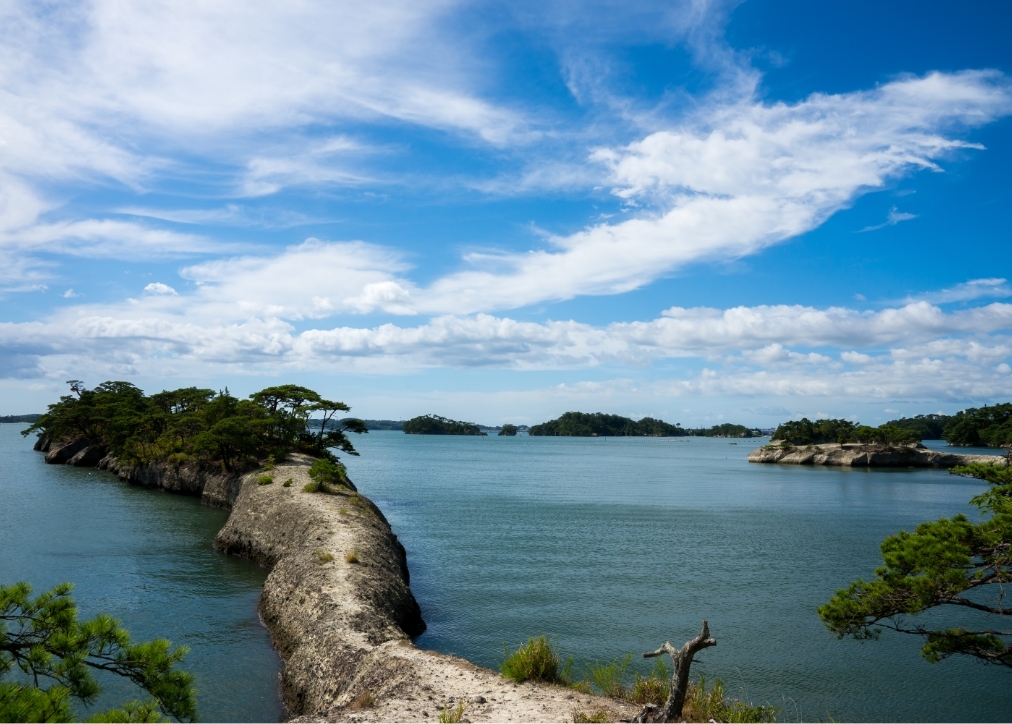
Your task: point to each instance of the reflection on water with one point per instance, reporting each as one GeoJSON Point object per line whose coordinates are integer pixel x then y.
{"type": "Point", "coordinates": [614, 545]}
{"type": "Point", "coordinates": [144, 557]}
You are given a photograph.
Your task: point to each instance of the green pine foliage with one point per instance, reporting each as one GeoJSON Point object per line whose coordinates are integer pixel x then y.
{"type": "Point", "coordinates": [952, 563]}
{"type": "Point", "coordinates": [327, 476]}
{"type": "Point", "coordinates": [929, 427]}
{"type": "Point", "coordinates": [808, 432]}
{"type": "Point", "coordinates": [197, 424]}
{"type": "Point", "coordinates": [598, 424]}
{"type": "Point", "coordinates": [726, 430]}
{"type": "Point", "coordinates": [436, 425]}
{"type": "Point", "coordinates": [508, 431]}
{"type": "Point", "coordinates": [988, 426]}
{"type": "Point", "coordinates": [53, 656]}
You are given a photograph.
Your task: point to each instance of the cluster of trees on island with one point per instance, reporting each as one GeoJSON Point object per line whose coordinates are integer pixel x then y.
{"type": "Point", "coordinates": [988, 426]}
{"type": "Point", "coordinates": [199, 425]}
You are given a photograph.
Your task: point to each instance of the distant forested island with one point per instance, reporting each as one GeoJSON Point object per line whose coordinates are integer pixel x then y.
{"type": "Point", "coordinates": [374, 424]}
{"type": "Point", "coordinates": [20, 418]}
{"type": "Point", "coordinates": [988, 426]}
{"type": "Point", "coordinates": [436, 425]}
{"type": "Point", "coordinates": [599, 424]}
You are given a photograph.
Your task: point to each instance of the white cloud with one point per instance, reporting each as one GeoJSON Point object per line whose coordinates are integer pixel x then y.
{"type": "Point", "coordinates": [735, 180]}
{"type": "Point", "coordinates": [159, 288]}
{"type": "Point", "coordinates": [968, 291]}
{"type": "Point", "coordinates": [894, 217]}
{"type": "Point", "coordinates": [70, 294]}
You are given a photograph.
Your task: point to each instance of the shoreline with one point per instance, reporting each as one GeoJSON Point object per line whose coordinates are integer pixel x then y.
{"type": "Point", "coordinates": [859, 455]}
{"type": "Point", "coordinates": [343, 628]}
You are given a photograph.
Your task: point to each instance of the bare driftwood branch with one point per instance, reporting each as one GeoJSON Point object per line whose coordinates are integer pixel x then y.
{"type": "Point", "coordinates": [681, 660]}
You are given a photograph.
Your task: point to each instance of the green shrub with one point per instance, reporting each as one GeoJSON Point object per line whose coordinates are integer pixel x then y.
{"type": "Point", "coordinates": [287, 483]}
{"type": "Point", "coordinates": [265, 480]}
{"type": "Point", "coordinates": [610, 678]}
{"type": "Point", "coordinates": [535, 660]}
{"type": "Point", "coordinates": [328, 474]}
{"type": "Point", "coordinates": [311, 488]}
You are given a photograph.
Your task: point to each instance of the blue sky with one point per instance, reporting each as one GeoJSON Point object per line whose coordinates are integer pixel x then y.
{"type": "Point", "coordinates": [700, 211]}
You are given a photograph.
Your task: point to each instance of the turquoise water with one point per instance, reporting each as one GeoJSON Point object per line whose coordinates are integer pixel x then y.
{"type": "Point", "coordinates": [614, 545]}
{"type": "Point", "coordinates": [144, 557]}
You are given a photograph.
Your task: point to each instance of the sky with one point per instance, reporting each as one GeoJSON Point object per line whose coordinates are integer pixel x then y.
{"type": "Point", "coordinates": [699, 211]}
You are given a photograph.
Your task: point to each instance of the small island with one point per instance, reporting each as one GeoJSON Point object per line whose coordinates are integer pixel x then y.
{"type": "Point", "coordinates": [843, 443]}
{"type": "Point", "coordinates": [598, 424]}
{"type": "Point", "coordinates": [436, 425]}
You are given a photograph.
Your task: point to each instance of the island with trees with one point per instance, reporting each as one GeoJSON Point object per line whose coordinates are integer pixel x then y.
{"type": "Point", "coordinates": [844, 443]}
{"type": "Point", "coordinates": [598, 424]}
{"type": "Point", "coordinates": [436, 425]}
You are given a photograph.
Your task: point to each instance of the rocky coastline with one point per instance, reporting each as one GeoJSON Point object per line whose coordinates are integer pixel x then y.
{"type": "Point", "coordinates": [337, 601]}
{"type": "Point", "coordinates": [859, 455]}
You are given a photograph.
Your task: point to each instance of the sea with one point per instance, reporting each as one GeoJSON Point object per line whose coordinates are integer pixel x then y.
{"type": "Point", "coordinates": [608, 546]}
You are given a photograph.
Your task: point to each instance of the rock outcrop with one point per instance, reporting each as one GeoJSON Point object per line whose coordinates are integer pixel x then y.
{"type": "Point", "coordinates": [338, 604]}
{"type": "Point", "coordinates": [856, 455]}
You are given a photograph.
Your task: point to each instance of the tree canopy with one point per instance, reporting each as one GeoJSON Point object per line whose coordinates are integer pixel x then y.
{"type": "Point", "coordinates": [57, 655]}
{"type": "Point", "coordinates": [436, 425]}
{"type": "Point", "coordinates": [951, 564]}
{"type": "Point", "coordinates": [929, 427]}
{"type": "Point", "coordinates": [195, 424]}
{"type": "Point", "coordinates": [989, 426]}
{"type": "Point", "coordinates": [726, 430]}
{"type": "Point", "coordinates": [508, 431]}
{"type": "Point", "coordinates": [583, 424]}
{"type": "Point", "coordinates": [809, 432]}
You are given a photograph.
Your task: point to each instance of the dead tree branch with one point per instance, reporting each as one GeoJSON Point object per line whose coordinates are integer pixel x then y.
{"type": "Point", "coordinates": [681, 660]}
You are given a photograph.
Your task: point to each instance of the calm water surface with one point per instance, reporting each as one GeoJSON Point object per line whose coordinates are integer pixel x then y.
{"type": "Point", "coordinates": [614, 545]}
{"type": "Point", "coordinates": [144, 557]}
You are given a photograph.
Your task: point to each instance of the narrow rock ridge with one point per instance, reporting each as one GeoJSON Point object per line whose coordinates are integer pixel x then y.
{"type": "Point", "coordinates": [857, 455]}
{"type": "Point", "coordinates": [338, 604]}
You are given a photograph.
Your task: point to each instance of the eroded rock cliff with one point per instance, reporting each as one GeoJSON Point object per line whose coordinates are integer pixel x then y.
{"type": "Point", "coordinates": [859, 455]}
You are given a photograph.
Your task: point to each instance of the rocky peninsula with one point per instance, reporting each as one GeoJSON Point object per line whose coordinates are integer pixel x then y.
{"type": "Point", "coordinates": [860, 455]}
{"type": "Point", "coordinates": [337, 601]}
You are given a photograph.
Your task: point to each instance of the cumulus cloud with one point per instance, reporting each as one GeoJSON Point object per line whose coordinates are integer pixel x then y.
{"type": "Point", "coordinates": [159, 288]}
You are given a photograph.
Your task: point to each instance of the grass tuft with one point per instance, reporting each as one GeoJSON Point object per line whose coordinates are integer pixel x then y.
{"type": "Point", "coordinates": [453, 715]}
{"type": "Point", "coordinates": [702, 704]}
{"type": "Point", "coordinates": [610, 678]}
{"type": "Point", "coordinates": [365, 700]}
{"type": "Point", "coordinates": [324, 556]}
{"type": "Point", "coordinates": [535, 660]}
{"type": "Point", "coordinates": [351, 557]}
{"type": "Point", "coordinates": [265, 480]}
{"type": "Point", "coordinates": [579, 715]}
{"type": "Point", "coordinates": [287, 483]}
{"type": "Point", "coordinates": [342, 511]}
{"type": "Point", "coordinates": [653, 688]}
{"type": "Point", "coordinates": [311, 487]}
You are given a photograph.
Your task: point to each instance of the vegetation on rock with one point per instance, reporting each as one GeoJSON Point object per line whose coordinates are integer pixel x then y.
{"type": "Point", "coordinates": [598, 424]}
{"type": "Point", "coordinates": [55, 654]}
{"type": "Point", "coordinates": [726, 430]}
{"type": "Point", "coordinates": [989, 426]}
{"type": "Point", "coordinates": [929, 427]}
{"type": "Point", "coordinates": [808, 432]}
{"type": "Point", "coordinates": [508, 431]}
{"type": "Point", "coordinates": [199, 425]}
{"type": "Point", "coordinates": [950, 564]}
{"type": "Point", "coordinates": [436, 425]}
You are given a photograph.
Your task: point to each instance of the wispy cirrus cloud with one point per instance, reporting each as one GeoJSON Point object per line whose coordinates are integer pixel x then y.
{"type": "Point", "coordinates": [894, 217]}
{"type": "Point", "coordinates": [967, 291]}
